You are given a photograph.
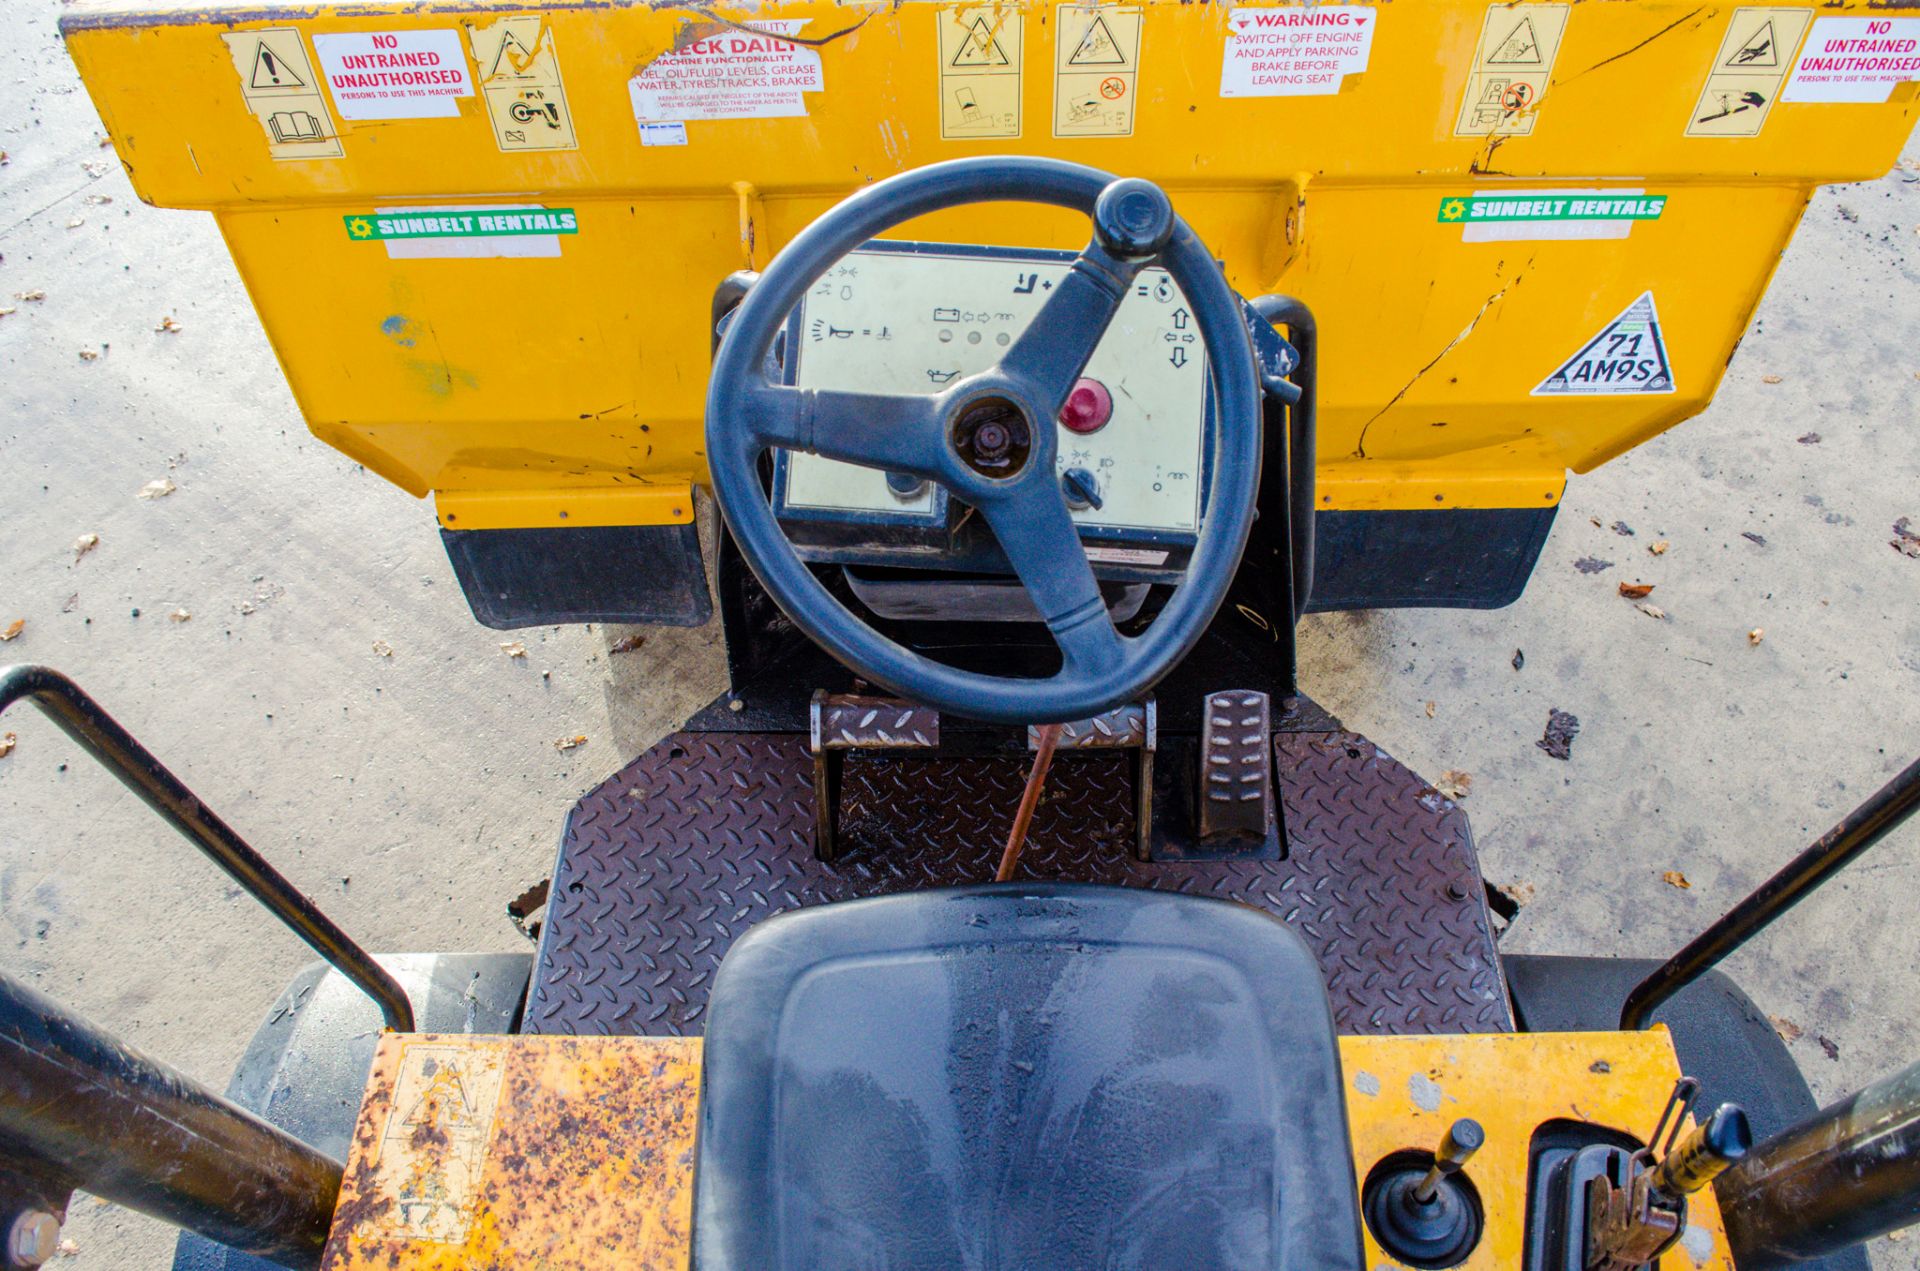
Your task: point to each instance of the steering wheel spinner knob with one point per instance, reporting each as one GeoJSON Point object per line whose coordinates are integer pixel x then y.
{"type": "Point", "coordinates": [1133, 218]}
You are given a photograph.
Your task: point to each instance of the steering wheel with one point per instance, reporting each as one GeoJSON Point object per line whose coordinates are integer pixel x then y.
{"type": "Point", "coordinates": [991, 438]}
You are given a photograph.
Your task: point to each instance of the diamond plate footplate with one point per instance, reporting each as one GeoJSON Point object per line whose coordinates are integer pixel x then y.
{"type": "Point", "coordinates": [708, 833]}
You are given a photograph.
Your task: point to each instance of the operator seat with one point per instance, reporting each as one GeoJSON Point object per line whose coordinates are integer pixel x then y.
{"type": "Point", "coordinates": [1029, 1077]}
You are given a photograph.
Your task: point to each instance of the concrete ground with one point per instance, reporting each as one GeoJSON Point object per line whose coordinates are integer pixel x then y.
{"type": "Point", "coordinates": [284, 629]}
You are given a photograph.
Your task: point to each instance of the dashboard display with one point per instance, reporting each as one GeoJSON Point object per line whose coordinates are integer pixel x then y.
{"type": "Point", "coordinates": [912, 318]}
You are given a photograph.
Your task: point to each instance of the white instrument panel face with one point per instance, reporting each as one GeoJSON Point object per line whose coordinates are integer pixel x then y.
{"type": "Point", "coordinates": [911, 322]}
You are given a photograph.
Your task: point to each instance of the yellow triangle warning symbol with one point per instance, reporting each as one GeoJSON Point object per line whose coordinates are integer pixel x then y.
{"type": "Point", "coordinates": [1756, 51]}
{"type": "Point", "coordinates": [980, 48]}
{"type": "Point", "coordinates": [1520, 48]}
{"type": "Point", "coordinates": [1098, 47]}
{"type": "Point", "coordinates": [269, 71]}
{"type": "Point", "coordinates": [513, 58]}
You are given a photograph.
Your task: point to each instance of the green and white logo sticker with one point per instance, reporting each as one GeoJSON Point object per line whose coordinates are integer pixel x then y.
{"type": "Point", "coordinates": [468, 232]}
{"type": "Point", "coordinates": [468, 223]}
{"type": "Point", "coordinates": [1510, 215]}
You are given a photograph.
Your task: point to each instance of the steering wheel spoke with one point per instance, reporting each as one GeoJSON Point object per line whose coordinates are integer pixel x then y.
{"type": "Point", "coordinates": [885, 431]}
{"type": "Point", "coordinates": [1052, 352]}
{"type": "Point", "coordinates": [1031, 521]}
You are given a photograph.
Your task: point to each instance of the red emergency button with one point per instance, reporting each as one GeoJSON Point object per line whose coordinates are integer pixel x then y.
{"type": "Point", "coordinates": [1089, 407]}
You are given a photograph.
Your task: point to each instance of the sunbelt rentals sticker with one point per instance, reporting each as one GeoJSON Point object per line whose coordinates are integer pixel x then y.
{"type": "Point", "coordinates": [466, 233]}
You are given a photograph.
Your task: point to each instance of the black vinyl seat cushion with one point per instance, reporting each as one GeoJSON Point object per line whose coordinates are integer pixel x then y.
{"type": "Point", "coordinates": [1020, 1077]}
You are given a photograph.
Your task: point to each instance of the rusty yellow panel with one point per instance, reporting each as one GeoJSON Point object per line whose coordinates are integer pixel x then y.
{"type": "Point", "coordinates": [550, 1152]}
{"type": "Point", "coordinates": [565, 386]}
{"type": "Point", "coordinates": [1403, 1093]}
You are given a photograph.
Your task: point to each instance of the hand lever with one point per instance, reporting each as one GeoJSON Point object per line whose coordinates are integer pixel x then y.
{"type": "Point", "coordinates": [1721, 1140]}
{"type": "Point", "coordinates": [1464, 1138]}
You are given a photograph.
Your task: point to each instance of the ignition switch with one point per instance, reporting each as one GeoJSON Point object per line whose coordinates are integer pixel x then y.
{"type": "Point", "coordinates": [1081, 487]}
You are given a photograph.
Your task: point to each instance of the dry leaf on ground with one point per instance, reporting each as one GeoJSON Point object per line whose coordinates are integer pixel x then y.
{"type": "Point", "coordinates": [168, 325]}
{"type": "Point", "coordinates": [158, 489]}
{"type": "Point", "coordinates": [1770, 379]}
{"type": "Point", "coordinates": [1788, 1030]}
{"type": "Point", "coordinates": [1674, 878]}
{"type": "Point", "coordinates": [14, 628]}
{"type": "Point", "coordinates": [1454, 784]}
{"type": "Point", "coordinates": [1808, 439]}
{"type": "Point", "coordinates": [1905, 540]}
{"type": "Point", "coordinates": [1659, 548]}
{"type": "Point", "coordinates": [568, 743]}
{"type": "Point", "coordinates": [513, 648]}
{"type": "Point", "coordinates": [1519, 893]}
{"type": "Point", "coordinates": [1635, 591]}
{"type": "Point", "coordinates": [89, 355]}
{"type": "Point", "coordinates": [626, 644]}
{"type": "Point", "coordinates": [34, 297]}
{"type": "Point", "coordinates": [84, 544]}
{"type": "Point", "coordinates": [7, 742]}
{"type": "Point", "coordinates": [99, 199]}
{"type": "Point", "coordinates": [1562, 728]}
{"type": "Point", "coordinates": [384, 649]}
{"type": "Point", "coordinates": [180, 615]}
{"type": "Point", "coordinates": [1829, 1045]}
{"type": "Point", "coordinates": [1431, 707]}
{"type": "Point", "coordinates": [9, 311]}
{"type": "Point", "coordinates": [1756, 635]}
{"type": "Point", "coordinates": [76, 222]}
{"type": "Point", "coordinates": [1652, 611]}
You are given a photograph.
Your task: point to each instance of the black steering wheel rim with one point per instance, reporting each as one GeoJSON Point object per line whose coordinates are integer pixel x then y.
{"type": "Point", "coordinates": [747, 414]}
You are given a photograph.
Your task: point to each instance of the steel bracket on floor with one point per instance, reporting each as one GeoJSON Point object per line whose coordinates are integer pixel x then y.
{"type": "Point", "coordinates": [839, 722]}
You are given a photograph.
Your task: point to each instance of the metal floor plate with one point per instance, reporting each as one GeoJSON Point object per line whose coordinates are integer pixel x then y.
{"type": "Point", "coordinates": [706, 834]}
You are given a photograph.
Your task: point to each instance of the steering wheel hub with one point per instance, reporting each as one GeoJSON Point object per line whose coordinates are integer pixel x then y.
{"type": "Point", "coordinates": [993, 437]}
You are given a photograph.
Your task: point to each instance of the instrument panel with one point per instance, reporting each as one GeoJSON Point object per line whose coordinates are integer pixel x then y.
{"type": "Point", "coordinates": [910, 318]}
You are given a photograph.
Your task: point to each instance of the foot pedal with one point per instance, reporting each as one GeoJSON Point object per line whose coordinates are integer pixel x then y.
{"type": "Point", "coordinates": [853, 721]}
{"type": "Point", "coordinates": [1236, 766]}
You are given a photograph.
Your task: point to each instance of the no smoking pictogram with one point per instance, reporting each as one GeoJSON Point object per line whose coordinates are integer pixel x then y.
{"type": "Point", "coordinates": [1113, 88]}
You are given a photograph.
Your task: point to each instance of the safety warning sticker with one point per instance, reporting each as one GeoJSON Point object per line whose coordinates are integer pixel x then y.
{"type": "Point", "coordinates": [520, 80]}
{"type": "Point", "coordinates": [1628, 356]}
{"type": "Point", "coordinates": [395, 74]}
{"type": "Point", "coordinates": [432, 1151]}
{"type": "Point", "coordinates": [1507, 216]}
{"type": "Point", "coordinates": [1747, 71]}
{"type": "Point", "coordinates": [464, 233]}
{"type": "Point", "coordinates": [280, 88]}
{"type": "Point", "coordinates": [1511, 67]}
{"type": "Point", "coordinates": [740, 73]}
{"type": "Point", "coordinates": [1855, 60]}
{"type": "Point", "coordinates": [979, 73]}
{"type": "Point", "coordinates": [1295, 52]}
{"type": "Point", "coordinates": [1096, 70]}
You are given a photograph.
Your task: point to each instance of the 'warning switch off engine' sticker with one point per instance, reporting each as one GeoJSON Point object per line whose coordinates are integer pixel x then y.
{"type": "Point", "coordinates": [1294, 52]}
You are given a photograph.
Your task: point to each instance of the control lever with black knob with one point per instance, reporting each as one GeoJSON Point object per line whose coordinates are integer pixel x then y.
{"type": "Point", "coordinates": [1424, 1212]}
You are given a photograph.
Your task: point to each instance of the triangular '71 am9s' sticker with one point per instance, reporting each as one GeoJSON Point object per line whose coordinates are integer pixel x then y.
{"type": "Point", "coordinates": [1628, 356]}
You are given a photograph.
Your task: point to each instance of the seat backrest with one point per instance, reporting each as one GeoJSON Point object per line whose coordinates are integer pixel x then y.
{"type": "Point", "coordinates": [1023, 1076]}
